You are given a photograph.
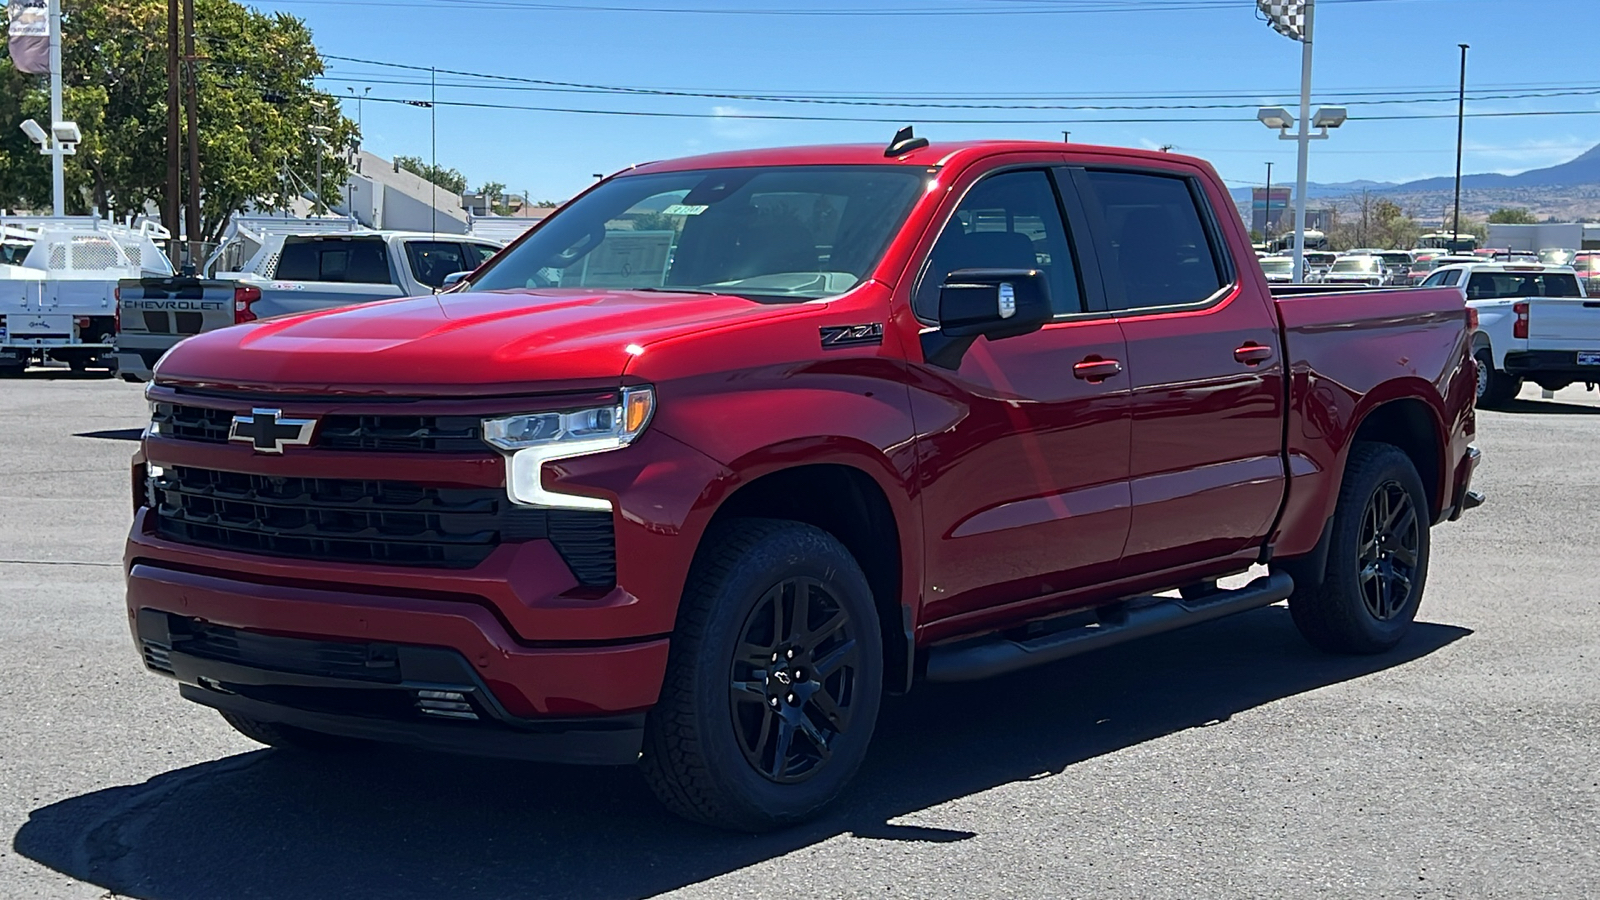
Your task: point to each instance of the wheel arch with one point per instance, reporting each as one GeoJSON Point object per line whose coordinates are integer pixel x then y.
{"type": "Point", "coordinates": [847, 501]}
{"type": "Point", "coordinates": [1414, 426]}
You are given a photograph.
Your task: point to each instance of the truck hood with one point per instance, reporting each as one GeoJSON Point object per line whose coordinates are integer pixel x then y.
{"type": "Point", "coordinates": [492, 342]}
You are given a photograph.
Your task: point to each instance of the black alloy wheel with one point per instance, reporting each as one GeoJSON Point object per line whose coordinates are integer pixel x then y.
{"type": "Point", "coordinates": [1389, 541]}
{"type": "Point", "coordinates": [794, 680]}
{"type": "Point", "coordinates": [773, 680]}
{"type": "Point", "coordinates": [1371, 582]}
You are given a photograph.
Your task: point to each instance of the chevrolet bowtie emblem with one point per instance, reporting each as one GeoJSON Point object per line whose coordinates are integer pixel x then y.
{"type": "Point", "coordinates": [268, 432]}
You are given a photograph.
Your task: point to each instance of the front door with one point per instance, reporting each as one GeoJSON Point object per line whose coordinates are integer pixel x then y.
{"type": "Point", "coordinates": [1205, 366]}
{"type": "Point", "coordinates": [1023, 458]}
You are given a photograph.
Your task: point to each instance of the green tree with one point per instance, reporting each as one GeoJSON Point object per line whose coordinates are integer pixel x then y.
{"type": "Point", "coordinates": [447, 179]}
{"type": "Point", "coordinates": [1507, 215]}
{"type": "Point", "coordinates": [256, 107]}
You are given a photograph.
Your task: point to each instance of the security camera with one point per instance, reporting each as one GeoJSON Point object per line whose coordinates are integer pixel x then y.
{"type": "Point", "coordinates": [34, 131]}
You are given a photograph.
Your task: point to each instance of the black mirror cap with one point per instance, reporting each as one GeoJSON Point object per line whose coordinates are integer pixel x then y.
{"type": "Point", "coordinates": [994, 303]}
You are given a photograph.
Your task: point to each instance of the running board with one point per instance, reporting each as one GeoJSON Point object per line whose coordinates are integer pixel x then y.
{"type": "Point", "coordinates": [1100, 627]}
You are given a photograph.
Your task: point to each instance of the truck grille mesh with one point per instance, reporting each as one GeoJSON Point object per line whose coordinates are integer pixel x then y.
{"type": "Point", "coordinates": [384, 522]}
{"type": "Point", "coordinates": [373, 434]}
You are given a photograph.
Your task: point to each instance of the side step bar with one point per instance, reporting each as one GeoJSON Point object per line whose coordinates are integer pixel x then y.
{"type": "Point", "coordinates": [1101, 627]}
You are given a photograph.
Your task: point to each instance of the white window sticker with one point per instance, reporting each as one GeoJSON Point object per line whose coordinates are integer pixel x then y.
{"type": "Point", "coordinates": [681, 209]}
{"type": "Point", "coordinates": [1008, 300]}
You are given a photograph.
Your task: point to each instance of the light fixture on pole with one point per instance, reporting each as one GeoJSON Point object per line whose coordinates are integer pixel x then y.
{"type": "Point", "coordinates": [1295, 19]}
{"type": "Point", "coordinates": [60, 141]}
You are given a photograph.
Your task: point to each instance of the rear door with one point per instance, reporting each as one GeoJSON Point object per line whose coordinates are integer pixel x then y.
{"type": "Point", "coordinates": [1204, 364]}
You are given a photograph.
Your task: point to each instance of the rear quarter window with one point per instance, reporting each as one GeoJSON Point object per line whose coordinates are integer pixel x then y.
{"type": "Point", "coordinates": [342, 262]}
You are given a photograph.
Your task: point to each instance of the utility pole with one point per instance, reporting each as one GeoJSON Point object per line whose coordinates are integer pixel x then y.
{"type": "Point", "coordinates": [1461, 121]}
{"type": "Point", "coordinates": [191, 224]}
{"type": "Point", "coordinates": [433, 128]}
{"type": "Point", "coordinates": [169, 209]}
{"type": "Point", "coordinates": [1066, 137]}
{"type": "Point", "coordinates": [1266, 220]}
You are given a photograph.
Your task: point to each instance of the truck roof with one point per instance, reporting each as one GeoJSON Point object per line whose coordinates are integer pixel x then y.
{"type": "Point", "coordinates": [936, 154]}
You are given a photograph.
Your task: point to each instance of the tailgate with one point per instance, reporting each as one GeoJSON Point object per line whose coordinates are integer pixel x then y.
{"type": "Point", "coordinates": [1563, 323]}
{"type": "Point", "coordinates": [176, 306]}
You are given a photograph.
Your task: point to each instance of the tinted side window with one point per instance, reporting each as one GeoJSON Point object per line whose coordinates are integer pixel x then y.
{"type": "Point", "coordinates": [1155, 249]}
{"type": "Point", "coordinates": [1006, 221]}
{"type": "Point", "coordinates": [1435, 279]}
{"type": "Point", "coordinates": [361, 262]}
{"type": "Point", "coordinates": [368, 264]}
{"type": "Point", "coordinates": [431, 261]}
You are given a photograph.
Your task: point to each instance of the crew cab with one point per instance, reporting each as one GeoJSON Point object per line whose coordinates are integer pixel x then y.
{"type": "Point", "coordinates": [729, 447]}
{"type": "Point", "coordinates": [1535, 323]}
{"type": "Point", "coordinates": [300, 273]}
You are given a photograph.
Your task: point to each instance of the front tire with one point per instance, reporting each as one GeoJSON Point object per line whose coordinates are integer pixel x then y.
{"type": "Point", "coordinates": [1495, 388]}
{"type": "Point", "coordinates": [774, 679]}
{"type": "Point", "coordinates": [1377, 557]}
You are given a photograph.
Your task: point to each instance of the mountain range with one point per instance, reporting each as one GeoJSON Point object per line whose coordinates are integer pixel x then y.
{"type": "Point", "coordinates": [1566, 190]}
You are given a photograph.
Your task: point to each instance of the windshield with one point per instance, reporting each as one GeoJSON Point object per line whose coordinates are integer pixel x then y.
{"type": "Point", "coordinates": [1356, 264]}
{"type": "Point", "coordinates": [1586, 263]}
{"type": "Point", "coordinates": [1320, 259]}
{"type": "Point", "coordinates": [799, 232]}
{"type": "Point", "coordinates": [1552, 257]}
{"type": "Point", "coordinates": [1277, 265]}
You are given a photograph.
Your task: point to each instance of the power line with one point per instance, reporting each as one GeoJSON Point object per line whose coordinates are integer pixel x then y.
{"type": "Point", "coordinates": [661, 114]}
{"type": "Point", "coordinates": [1059, 7]}
{"type": "Point", "coordinates": [888, 104]}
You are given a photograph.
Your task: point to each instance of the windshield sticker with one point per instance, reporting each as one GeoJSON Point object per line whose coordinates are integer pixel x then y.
{"type": "Point", "coordinates": [682, 209]}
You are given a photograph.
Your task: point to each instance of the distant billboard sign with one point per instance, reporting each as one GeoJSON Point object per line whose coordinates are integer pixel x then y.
{"type": "Point", "coordinates": [1267, 208]}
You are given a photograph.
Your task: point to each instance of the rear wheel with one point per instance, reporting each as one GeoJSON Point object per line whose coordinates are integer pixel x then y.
{"type": "Point", "coordinates": [774, 679]}
{"type": "Point", "coordinates": [288, 737]}
{"type": "Point", "coordinates": [1377, 557]}
{"type": "Point", "coordinates": [1494, 387]}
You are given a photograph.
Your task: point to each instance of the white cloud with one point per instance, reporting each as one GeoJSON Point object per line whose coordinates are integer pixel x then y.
{"type": "Point", "coordinates": [729, 127]}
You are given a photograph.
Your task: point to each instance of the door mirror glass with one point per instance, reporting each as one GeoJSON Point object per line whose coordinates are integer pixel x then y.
{"type": "Point", "coordinates": [993, 303]}
{"type": "Point", "coordinates": [455, 278]}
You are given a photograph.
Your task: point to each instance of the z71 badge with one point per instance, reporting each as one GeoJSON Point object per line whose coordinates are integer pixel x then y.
{"type": "Point", "coordinates": [851, 335]}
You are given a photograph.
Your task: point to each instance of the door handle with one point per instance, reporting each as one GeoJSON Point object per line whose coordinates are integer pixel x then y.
{"type": "Point", "coordinates": [1252, 354]}
{"type": "Point", "coordinates": [1095, 370]}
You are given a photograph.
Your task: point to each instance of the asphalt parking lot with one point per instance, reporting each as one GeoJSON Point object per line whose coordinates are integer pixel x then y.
{"type": "Point", "coordinates": [1230, 760]}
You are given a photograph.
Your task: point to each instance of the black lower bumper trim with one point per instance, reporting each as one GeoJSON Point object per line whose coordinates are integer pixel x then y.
{"type": "Point", "coordinates": [1550, 365]}
{"type": "Point", "coordinates": [608, 741]}
{"type": "Point", "coordinates": [427, 697]}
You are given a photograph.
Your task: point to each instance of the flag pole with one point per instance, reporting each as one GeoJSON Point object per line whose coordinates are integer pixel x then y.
{"type": "Point", "coordinates": [58, 179]}
{"type": "Point", "coordinates": [1305, 147]}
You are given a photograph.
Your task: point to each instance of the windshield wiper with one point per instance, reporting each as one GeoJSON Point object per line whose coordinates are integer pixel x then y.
{"type": "Point", "coordinates": [678, 290]}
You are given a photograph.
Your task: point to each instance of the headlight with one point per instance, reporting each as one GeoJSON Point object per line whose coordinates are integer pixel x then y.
{"type": "Point", "coordinates": [537, 438]}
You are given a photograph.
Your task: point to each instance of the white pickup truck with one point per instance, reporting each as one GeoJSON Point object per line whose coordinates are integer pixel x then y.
{"type": "Point", "coordinates": [1535, 323]}
{"type": "Point", "coordinates": [289, 274]}
{"type": "Point", "coordinates": [58, 278]}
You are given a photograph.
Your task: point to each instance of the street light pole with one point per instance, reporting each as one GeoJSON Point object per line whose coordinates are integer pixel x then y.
{"type": "Point", "coordinates": [1304, 138]}
{"type": "Point", "coordinates": [1461, 121]}
{"type": "Point", "coordinates": [58, 179]}
{"type": "Point", "coordinates": [1266, 220]}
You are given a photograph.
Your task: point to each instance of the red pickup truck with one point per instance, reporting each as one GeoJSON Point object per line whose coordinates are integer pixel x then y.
{"type": "Point", "coordinates": [730, 447]}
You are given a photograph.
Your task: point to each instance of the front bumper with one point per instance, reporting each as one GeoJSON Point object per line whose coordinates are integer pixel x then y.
{"type": "Point", "coordinates": [555, 701]}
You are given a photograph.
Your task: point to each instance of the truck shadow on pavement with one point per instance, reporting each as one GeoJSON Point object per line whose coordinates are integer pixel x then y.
{"type": "Point", "coordinates": [1547, 408]}
{"type": "Point", "coordinates": [397, 824]}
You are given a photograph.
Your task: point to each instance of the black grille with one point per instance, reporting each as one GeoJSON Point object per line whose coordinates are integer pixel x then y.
{"type": "Point", "coordinates": [380, 434]}
{"type": "Point", "coordinates": [385, 522]}
{"type": "Point", "coordinates": [330, 659]}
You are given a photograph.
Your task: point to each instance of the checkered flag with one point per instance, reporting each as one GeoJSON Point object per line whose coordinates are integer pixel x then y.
{"type": "Point", "coordinates": [1287, 17]}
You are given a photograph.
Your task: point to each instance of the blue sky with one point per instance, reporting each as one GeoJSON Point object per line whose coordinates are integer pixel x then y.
{"type": "Point", "coordinates": [1366, 50]}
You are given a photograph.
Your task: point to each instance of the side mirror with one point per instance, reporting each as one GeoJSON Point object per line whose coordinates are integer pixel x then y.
{"type": "Point", "coordinates": [454, 278]}
{"type": "Point", "coordinates": [991, 303]}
